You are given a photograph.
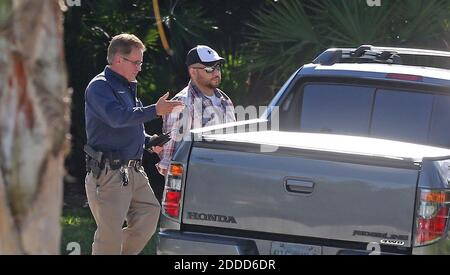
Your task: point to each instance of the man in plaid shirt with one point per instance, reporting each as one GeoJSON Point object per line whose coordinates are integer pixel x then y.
{"type": "Point", "coordinates": [206, 105]}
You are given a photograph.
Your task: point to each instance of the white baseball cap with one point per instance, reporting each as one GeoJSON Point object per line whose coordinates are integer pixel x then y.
{"type": "Point", "coordinates": [204, 55]}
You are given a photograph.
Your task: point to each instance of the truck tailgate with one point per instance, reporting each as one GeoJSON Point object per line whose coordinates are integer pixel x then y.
{"type": "Point", "coordinates": [296, 193]}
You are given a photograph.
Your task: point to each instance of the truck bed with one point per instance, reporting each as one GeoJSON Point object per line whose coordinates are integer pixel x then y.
{"type": "Point", "coordinates": [315, 186]}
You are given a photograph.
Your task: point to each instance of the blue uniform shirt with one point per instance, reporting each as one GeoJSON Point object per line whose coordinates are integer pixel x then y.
{"type": "Point", "coordinates": [115, 116]}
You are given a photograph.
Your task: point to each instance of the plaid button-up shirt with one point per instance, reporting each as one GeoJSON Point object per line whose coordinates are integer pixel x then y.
{"type": "Point", "coordinates": [199, 112]}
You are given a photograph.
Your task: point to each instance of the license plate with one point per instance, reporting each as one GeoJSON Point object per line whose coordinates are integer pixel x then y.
{"type": "Point", "coordinates": [280, 248]}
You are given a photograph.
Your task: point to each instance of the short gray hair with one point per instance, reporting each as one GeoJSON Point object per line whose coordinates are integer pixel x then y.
{"type": "Point", "coordinates": [123, 44]}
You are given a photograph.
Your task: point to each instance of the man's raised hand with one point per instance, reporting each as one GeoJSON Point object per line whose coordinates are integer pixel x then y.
{"type": "Point", "coordinates": [164, 106]}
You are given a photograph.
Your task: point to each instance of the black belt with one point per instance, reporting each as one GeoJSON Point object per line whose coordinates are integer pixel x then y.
{"type": "Point", "coordinates": [117, 163]}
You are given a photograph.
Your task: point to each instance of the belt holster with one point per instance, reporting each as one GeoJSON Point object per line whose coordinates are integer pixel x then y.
{"type": "Point", "coordinates": [94, 166]}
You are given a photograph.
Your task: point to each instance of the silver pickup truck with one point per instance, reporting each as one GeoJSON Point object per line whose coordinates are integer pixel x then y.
{"type": "Point", "coordinates": [358, 163]}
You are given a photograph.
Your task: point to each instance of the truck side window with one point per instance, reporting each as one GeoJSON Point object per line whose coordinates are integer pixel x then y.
{"type": "Point", "coordinates": [440, 122]}
{"type": "Point", "coordinates": [337, 109]}
{"type": "Point", "coordinates": [402, 116]}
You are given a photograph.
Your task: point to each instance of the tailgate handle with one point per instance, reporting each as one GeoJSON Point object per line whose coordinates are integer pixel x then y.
{"type": "Point", "coordinates": [299, 186]}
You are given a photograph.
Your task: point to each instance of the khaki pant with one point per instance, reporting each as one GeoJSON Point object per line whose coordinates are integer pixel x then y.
{"type": "Point", "coordinates": [111, 204]}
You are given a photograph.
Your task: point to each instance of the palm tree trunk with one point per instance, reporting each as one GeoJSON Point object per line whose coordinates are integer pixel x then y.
{"type": "Point", "coordinates": [34, 121]}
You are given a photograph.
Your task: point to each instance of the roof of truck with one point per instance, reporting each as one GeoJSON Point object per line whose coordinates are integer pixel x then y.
{"type": "Point", "coordinates": [337, 143]}
{"type": "Point", "coordinates": [369, 61]}
{"type": "Point", "coordinates": [429, 75]}
{"type": "Point", "coordinates": [376, 70]}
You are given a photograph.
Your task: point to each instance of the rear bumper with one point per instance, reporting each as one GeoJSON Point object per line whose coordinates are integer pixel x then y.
{"type": "Point", "coordinates": [172, 242]}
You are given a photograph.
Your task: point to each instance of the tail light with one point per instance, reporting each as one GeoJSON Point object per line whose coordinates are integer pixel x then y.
{"type": "Point", "coordinates": [172, 191]}
{"type": "Point", "coordinates": [432, 216]}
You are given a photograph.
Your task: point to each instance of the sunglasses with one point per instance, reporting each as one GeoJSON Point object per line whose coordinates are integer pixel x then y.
{"type": "Point", "coordinates": [209, 70]}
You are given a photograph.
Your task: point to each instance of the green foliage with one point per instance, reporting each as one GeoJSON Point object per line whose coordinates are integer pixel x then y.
{"type": "Point", "coordinates": [151, 40]}
{"type": "Point", "coordinates": [283, 34]}
{"type": "Point", "coordinates": [234, 77]}
{"type": "Point", "coordinates": [352, 22]}
{"type": "Point", "coordinates": [421, 22]}
{"type": "Point", "coordinates": [290, 32]}
{"type": "Point", "coordinates": [5, 10]}
{"type": "Point", "coordinates": [401, 22]}
{"type": "Point", "coordinates": [187, 25]}
{"type": "Point", "coordinates": [79, 226]}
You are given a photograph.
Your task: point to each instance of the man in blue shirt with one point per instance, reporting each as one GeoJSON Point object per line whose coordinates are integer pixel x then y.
{"type": "Point", "coordinates": [117, 187]}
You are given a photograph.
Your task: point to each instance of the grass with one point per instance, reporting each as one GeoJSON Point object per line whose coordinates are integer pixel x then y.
{"type": "Point", "coordinates": [79, 226]}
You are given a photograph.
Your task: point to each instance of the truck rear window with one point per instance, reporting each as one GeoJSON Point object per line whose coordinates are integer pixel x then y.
{"type": "Point", "coordinates": [367, 111]}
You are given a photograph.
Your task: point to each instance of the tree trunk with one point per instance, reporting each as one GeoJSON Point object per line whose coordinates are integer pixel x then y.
{"type": "Point", "coordinates": [34, 121]}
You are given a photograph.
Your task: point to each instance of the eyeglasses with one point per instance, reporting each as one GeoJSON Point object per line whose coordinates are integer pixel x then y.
{"type": "Point", "coordinates": [136, 63]}
{"type": "Point", "coordinates": [211, 69]}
